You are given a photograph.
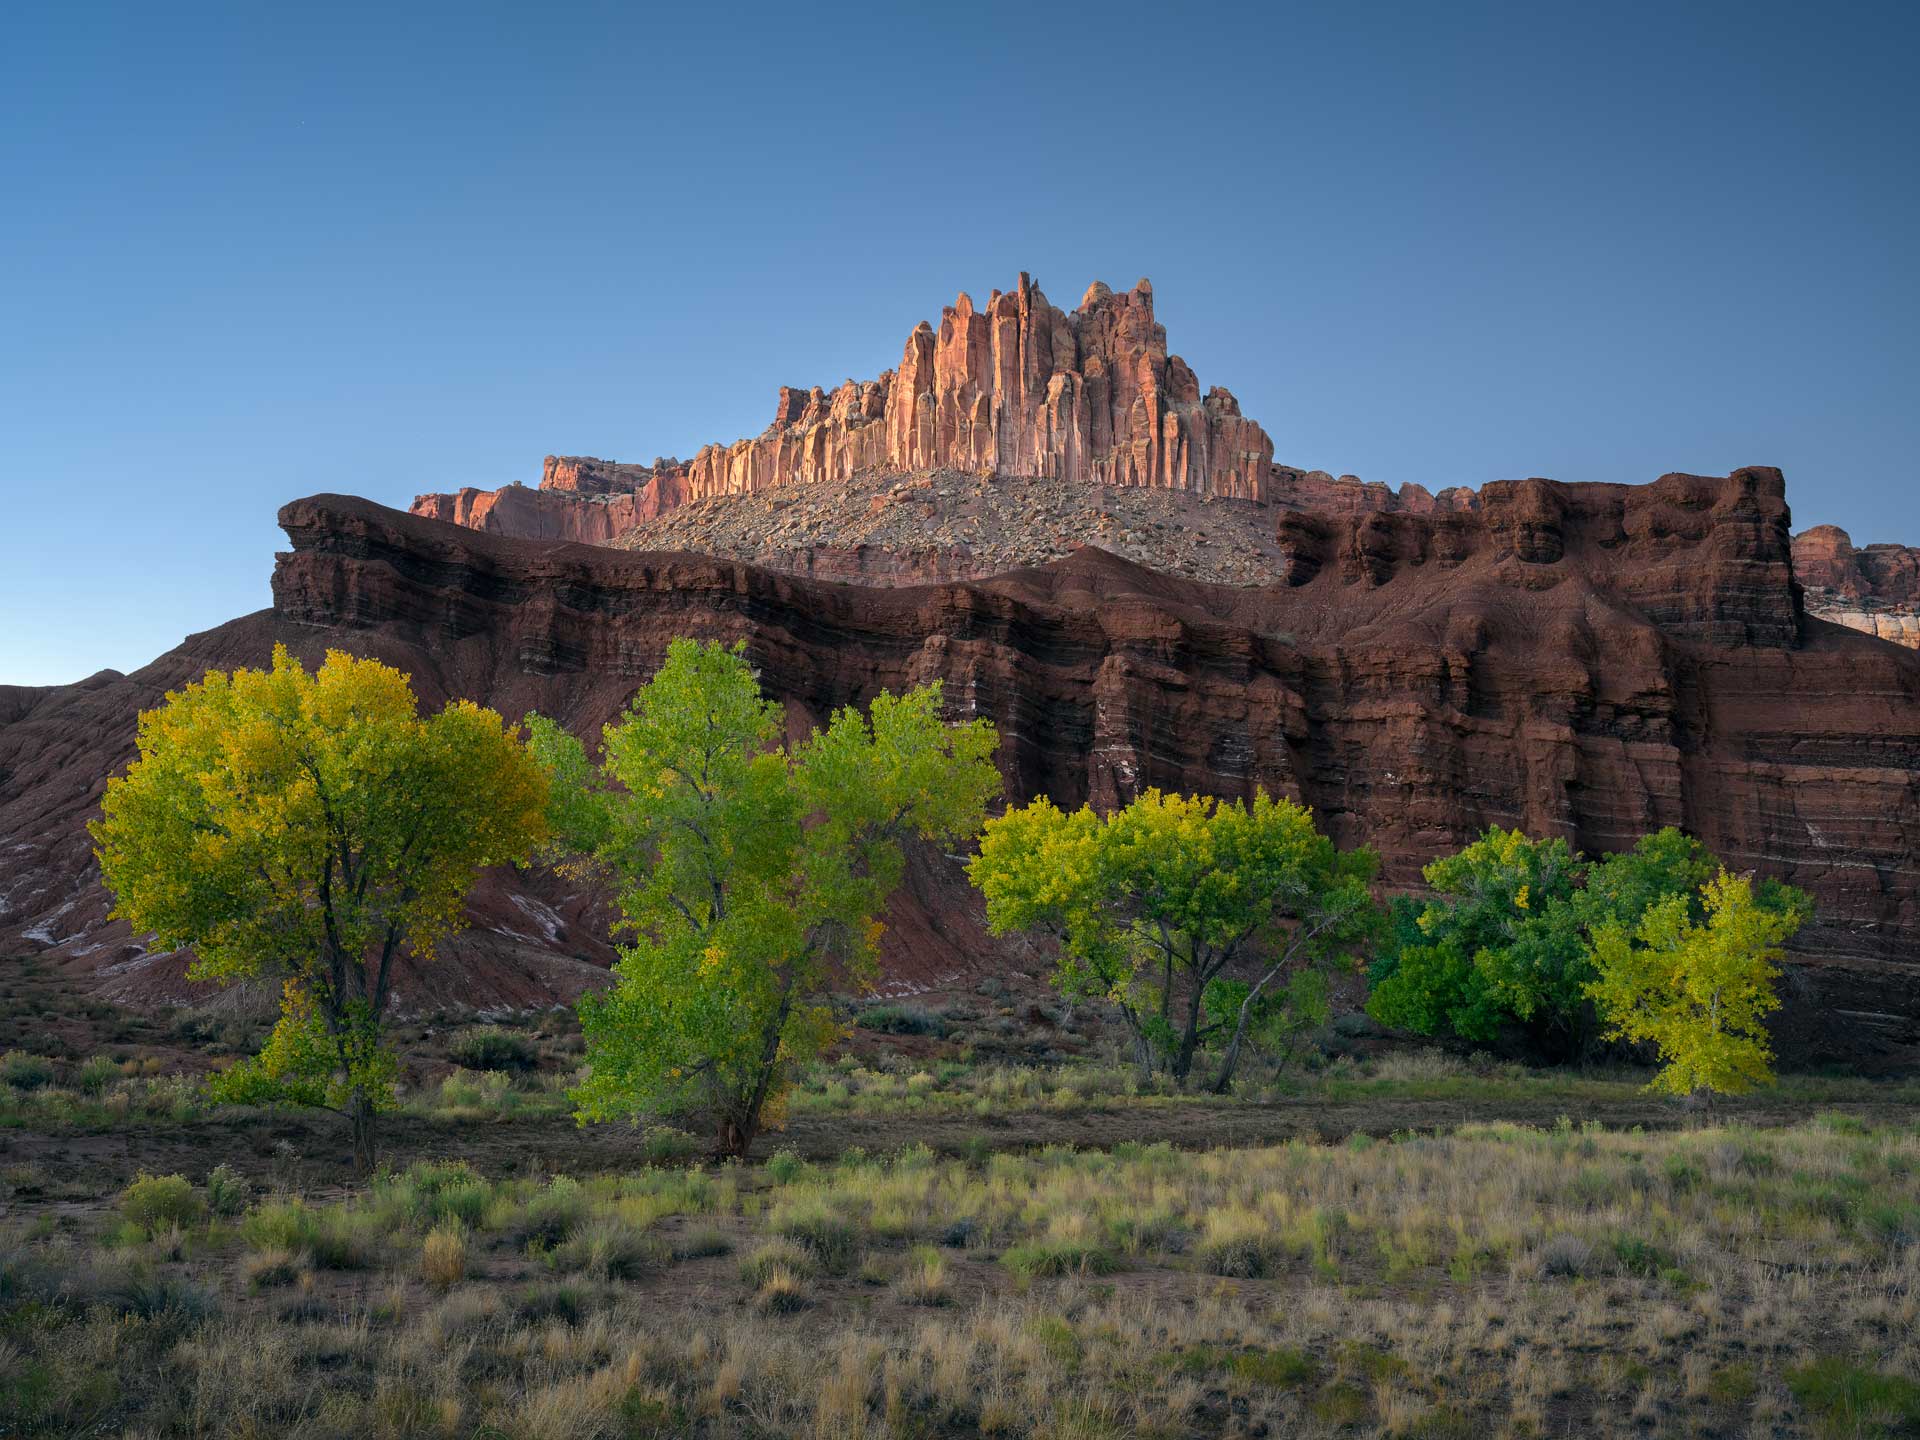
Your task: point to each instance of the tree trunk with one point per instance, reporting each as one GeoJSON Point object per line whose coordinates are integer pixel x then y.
{"type": "Point", "coordinates": [737, 1134]}
{"type": "Point", "coordinates": [1223, 1082]}
{"type": "Point", "coordinates": [1190, 1036]}
{"type": "Point", "coordinates": [1183, 1057]}
{"type": "Point", "coordinates": [1142, 1053]}
{"type": "Point", "coordinates": [360, 1116]}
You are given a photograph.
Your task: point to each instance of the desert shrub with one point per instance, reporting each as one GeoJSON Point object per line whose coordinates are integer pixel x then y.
{"type": "Point", "coordinates": [925, 1280]}
{"type": "Point", "coordinates": [1414, 1066]}
{"type": "Point", "coordinates": [158, 1297]}
{"type": "Point", "coordinates": [772, 1256]}
{"type": "Point", "coordinates": [1566, 1256]}
{"type": "Point", "coordinates": [1283, 1368]}
{"type": "Point", "coordinates": [608, 1249]}
{"type": "Point", "coordinates": [1892, 1223]}
{"type": "Point", "coordinates": [334, 1239]}
{"type": "Point", "coordinates": [551, 1214]}
{"type": "Point", "coordinates": [701, 1245]}
{"type": "Point", "coordinates": [784, 1166]}
{"type": "Point", "coordinates": [493, 1049]}
{"type": "Point", "coordinates": [1641, 1257]}
{"type": "Point", "coordinates": [1059, 1257]}
{"type": "Point", "coordinates": [664, 1145]}
{"type": "Point", "coordinates": [25, 1072]}
{"type": "Point", "coordinates": [429, 1194]}
{"type": "Point", "coordinates": [227, 1190]}
{"type": "Point", "coordinates": [476, 1092]}
{"type": "Point", "coordinates": [271, 1268]}
{"type": "Point", "coordinates": [564, 1303]}
{"type": "Point", "coordinates": [443, 1255]}
{"type": "Point", "coordinates": [1240, 1244]}
{"type": "Point", "coordinates": [1147, 1231]}
{"type": "Point", "coordinates": [782, 1292]}
{"type": "Point", "coordinates": [901, 1020]}
{"type": "Point", "coordinates": [1683, 1173]}
{"type": "Point", "coordinates": [1822, 1201]}
{"type": "Point", "coordinates": [153, 1202]}
{"type": "Point", "coordinates": [825, 1235]}
{"type": "Point", "coordinates": [96, 1074]}
{"type": "Point", "coordinates": [1840, 1123]}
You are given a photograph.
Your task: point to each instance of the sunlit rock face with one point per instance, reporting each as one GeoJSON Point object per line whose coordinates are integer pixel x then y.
{"type": "Point", "coordinates": [1875, 589]}
{"type": "Point", "coordinates": [1015, 387]}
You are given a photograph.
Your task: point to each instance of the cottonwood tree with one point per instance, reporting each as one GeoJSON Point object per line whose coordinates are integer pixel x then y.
{"type": "Point", "coordinates": [1161, 906]}
{"type": "Point", "coordinates": [1699, 991]}
{"type": "Point", "coordinates": [749, 876]}
{"type": "Point", "coordinates": [1499, 942]}
{"type": "Point", "coordinates": [1504, 945]}
{"type": "Point", "coordinates": [315, 827]}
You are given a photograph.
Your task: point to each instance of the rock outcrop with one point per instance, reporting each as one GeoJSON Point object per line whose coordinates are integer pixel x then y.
{"type": "Point", "coordinates": [1875, 589]}
{"type": "Point", "coordinates": [1014, 388]}
{"type": "Point", "coordinates": [1589, 661]}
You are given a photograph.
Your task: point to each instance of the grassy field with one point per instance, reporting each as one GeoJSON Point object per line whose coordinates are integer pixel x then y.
{"type": "Point", "coordinates": [948, 1241]}
{"type": "Point", "coordinates": [1499, 1279]}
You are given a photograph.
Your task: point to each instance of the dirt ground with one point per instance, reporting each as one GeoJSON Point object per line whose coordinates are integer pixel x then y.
{"type": "Point", "coordinates": [309, 1150]}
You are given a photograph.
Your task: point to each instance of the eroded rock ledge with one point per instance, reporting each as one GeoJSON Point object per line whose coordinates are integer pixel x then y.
{"type": "Point", "coordinates": [1589, 661]}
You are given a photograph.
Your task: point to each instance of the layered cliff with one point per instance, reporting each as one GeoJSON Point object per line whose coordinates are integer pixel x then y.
{"type": "Point", "coordinates": [1583, 660]}
{"type": "Point", "coordinates": [1875, 589]}
{"type": "Point", "coordinates": [1015, 388]}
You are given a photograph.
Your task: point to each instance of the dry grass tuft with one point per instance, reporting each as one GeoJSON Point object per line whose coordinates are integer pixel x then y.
{"type": "Point", "coordinates": [443, 1255]}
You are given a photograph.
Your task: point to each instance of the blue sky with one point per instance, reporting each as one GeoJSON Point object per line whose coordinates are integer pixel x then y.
{"type": "Point", "coordinates": [252, 252]}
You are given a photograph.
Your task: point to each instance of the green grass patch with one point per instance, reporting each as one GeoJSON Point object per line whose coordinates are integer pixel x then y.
{"type": "Point", "coordinates": [1849, 1400]}
{"type": "Point", "coordinates": [1044, 1258]}
{"type": "Point", "coordinates": [1282, 1369]}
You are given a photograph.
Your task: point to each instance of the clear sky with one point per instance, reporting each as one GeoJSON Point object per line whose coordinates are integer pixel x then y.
{"type": "Point", "coordinates": [252, 252]}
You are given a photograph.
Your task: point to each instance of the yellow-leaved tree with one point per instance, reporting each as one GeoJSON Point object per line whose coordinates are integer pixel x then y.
{"type": "Point", "coordinates": [1699, 991]}
{"type": "Point", "coordinates": [314, 827]}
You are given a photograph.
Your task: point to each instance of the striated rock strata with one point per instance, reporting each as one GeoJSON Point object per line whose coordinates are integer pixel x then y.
{"type": "Point", "coordinates": [1875, 589]}
{"type": "Point", "coordinates": [1015, 388]}
{"type": "Point", "coordinates": [1590, 661]}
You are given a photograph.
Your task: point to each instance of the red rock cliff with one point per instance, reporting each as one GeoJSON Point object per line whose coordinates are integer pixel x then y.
{"type": "Point", "coordinates": [1875, 589]}
{"type": "Point", "coordinates": [1588, 661]}
{"type": "Point", "coordinates": [1016, 387]}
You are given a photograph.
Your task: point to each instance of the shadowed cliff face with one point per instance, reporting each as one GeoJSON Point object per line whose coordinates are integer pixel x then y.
{"type": "Point", "coordinates": [1583, 660]}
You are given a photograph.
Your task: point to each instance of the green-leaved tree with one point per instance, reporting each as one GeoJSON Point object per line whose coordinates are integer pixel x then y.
{"type": "Point", "coordinates": [1192, 916]}
{"type": "Point", "coordinates": [750, 876]}
{"type": "Point", "coordinates": [1505, 944]}
{"type": "Point", "coordinates": [1498, 942]}
{"type": "Point", "coordinates": [314, 827]}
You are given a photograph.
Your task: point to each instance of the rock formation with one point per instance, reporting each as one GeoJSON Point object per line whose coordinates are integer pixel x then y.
{"type": "Point", "coordinates": [1590, 661]}
{"type": "Point", "coordinates": [1876, 589]}
{"type": "Point", "coordinates": [1014, 388]}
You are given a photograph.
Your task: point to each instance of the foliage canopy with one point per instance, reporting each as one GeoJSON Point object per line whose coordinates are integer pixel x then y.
{"type": "Point", "coordinates": [1507, 942]}
{"type": "Point", "coordinates": [315, 827]}
{"type": "Point", "coordinates": [1698, 990]}
{"type": "Point", "coordinates": [1160, 907]}
{"type": "Point", "coordinates": [749, 875]}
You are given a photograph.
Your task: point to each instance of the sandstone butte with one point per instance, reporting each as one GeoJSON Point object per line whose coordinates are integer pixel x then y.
{"type": "Point", "coordinates": [1019, 389]}
{"type": "Point", "coordinates": [1584, 660]}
